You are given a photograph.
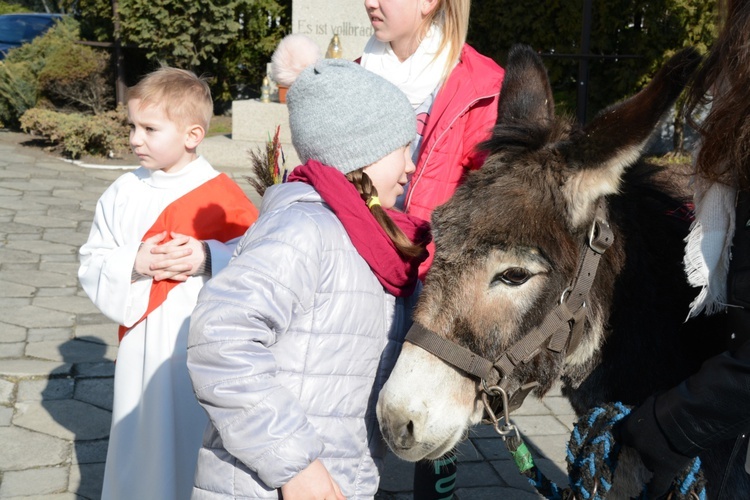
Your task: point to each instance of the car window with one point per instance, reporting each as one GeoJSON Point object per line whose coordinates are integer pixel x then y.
{"type": "Point", "coordinates": [21, 29]}
{"type": "Point", "coordinates": [11, 29]}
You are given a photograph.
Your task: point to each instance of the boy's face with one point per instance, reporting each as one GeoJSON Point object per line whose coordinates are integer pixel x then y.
{"type": "Point", "coordinates": [159, 143]}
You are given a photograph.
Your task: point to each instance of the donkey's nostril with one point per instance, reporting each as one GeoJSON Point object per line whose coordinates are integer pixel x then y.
{"type": "Point", "coordinates": [406, 435]}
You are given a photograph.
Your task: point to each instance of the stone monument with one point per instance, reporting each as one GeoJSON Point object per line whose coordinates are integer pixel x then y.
{"type": "Point", "coordinates": [321, 19]}
{"type": "Point", "coordinates": [253, 121]}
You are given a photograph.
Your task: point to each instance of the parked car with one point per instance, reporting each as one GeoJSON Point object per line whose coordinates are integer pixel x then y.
{"type": "Point", "coordinates": [17, 29]}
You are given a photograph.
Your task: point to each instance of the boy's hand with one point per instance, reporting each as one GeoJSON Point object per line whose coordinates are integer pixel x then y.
{"type": "Point", "coordinates": [313, 483]}
{"type": "Point", "coordinates": [176, 259]}
{"type": "Point", "coordinates": [143, 258]}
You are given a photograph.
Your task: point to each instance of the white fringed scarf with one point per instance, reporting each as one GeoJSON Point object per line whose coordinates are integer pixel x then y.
{"type": "Point", "coordinates": [419, 75]}
{"type": "Point", "coordinates": [708, 249]}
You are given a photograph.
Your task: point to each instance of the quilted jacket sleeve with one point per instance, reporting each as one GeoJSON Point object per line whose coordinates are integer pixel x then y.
{"type": "Point", "coordinates": [240, 313]}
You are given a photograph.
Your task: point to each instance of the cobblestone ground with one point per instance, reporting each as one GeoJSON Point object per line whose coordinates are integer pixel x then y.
{"type": "Point", "coordinates": [57, 352]}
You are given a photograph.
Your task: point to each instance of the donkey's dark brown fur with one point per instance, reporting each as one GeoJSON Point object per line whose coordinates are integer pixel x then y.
{"type": "Point", "coordinates": [517, 200]}
{"type": "Point", "coordinates": [527, 212]}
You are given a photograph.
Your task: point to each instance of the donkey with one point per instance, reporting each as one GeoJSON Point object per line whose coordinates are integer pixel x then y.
{"type": "Point", "coordinates": [509, 244]}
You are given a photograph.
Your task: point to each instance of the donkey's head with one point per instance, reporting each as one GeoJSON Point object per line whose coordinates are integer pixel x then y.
{"type": "Point", "coordinates": [508, 245]}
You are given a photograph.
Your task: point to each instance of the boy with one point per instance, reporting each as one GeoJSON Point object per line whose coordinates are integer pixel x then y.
{"type": "Point", "coordinates": [158, 234]}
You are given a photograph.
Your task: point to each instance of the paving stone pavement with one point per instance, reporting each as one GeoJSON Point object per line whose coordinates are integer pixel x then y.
{"type": "Point", "coordinates": [57, 353]}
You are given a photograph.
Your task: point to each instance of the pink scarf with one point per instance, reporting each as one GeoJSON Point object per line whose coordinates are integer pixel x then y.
{"type": "Point", "coordinates": [396, 272]}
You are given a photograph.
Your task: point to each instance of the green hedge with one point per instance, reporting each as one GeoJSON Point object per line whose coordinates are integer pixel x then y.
{"type": "Point", "coordinates": [105, 134]}
{"type": "Point", "coordinates": [54, 71]}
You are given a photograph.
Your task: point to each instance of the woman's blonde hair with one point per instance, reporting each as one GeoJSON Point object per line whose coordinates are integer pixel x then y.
{"type": "Point", "coordinates": [452, 16]}
{"type": "Point", "coordinates": [184, 97]}
{"type": "Point", "coordinates": [366, 191]}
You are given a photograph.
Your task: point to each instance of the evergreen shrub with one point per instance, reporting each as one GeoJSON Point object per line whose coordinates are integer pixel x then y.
{"type": "Point", "coordinates": [54, 71]}
{"type": "Point", "coordinates": [103, 134]}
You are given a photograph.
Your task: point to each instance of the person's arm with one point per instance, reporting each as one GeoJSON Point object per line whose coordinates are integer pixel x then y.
{"type": "Point", "coordinates": [671, 428]}
{"type": "Point", "coordinates": [220, 254]}
{"type": "Point", "coordinates": [240, 313]}
{"type": "Point", "coordinates": [106, 265]}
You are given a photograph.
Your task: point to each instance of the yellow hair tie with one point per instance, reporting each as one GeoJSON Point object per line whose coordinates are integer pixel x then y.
{"type": "Point", "coordinates": [374, 200]}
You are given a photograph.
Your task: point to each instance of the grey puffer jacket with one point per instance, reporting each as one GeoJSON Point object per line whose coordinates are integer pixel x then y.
{"type": "Point", "coordinates": [289, 346]}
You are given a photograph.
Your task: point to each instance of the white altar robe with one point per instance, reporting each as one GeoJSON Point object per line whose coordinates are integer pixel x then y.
{"type": "Point", "coordinates": [157, 424]}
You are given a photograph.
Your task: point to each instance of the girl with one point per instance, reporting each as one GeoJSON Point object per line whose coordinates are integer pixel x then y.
{"type": "Point", "coordinates": [711, 409]}
{"type": "Point", "coordinates": [290, 345]}
{"type": "Point", "coordinates": [419, 45]}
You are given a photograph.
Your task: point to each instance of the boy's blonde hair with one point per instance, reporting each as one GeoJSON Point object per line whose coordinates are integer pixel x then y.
{"type": "Point", "coordinates": [184, 97]}
{"type": "Point", "coordinates": [453, 18]}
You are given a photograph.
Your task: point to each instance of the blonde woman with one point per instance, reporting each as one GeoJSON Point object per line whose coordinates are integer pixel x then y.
{"type": "Point", "coordinates": [420, 46]}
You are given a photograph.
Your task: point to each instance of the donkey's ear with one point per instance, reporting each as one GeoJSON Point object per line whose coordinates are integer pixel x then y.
{"type": "Point", "coordinates": [526, 94]}
{"type": "Point", "coordinates": [617, 137]}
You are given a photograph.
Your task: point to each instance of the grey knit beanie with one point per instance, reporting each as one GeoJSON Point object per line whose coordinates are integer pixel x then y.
{"type": "Point", "coordinates": [347, 117]}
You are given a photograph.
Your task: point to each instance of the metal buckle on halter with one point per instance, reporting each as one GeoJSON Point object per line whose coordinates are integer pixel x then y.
{"type": "Point", "coordinates": [600, 240]}
{"type": "Point", "coordinates": [564, 294]}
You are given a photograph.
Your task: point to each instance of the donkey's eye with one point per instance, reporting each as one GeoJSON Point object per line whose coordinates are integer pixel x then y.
{"type": "Point", "coordinates": [513, 276]}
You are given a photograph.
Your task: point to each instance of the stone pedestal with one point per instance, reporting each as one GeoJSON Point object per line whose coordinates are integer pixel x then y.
{"type": "Point", "coordinates": [253, 123]}
{"type": "Point", "coordinates": [256, 121]}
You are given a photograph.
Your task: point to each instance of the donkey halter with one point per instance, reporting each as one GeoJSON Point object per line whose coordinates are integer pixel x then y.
{"type": "Point", "coordinates": [561, 330]}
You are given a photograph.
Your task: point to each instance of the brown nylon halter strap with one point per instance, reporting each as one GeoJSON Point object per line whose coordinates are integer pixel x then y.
{"type": "Point", "coordinates": [600, 239]}
{"type": "Point", "coordinates": [562, 326]}
{"type": "Point", "coordinates": [451, 353]}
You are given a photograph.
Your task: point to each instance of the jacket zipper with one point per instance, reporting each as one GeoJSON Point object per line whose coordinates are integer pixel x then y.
{"type": "Point", "coordinates": [407, 204]}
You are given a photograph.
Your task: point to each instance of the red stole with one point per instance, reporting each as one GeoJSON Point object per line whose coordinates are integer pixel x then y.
{"type": "Point", "coordinates": [215, 210]}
